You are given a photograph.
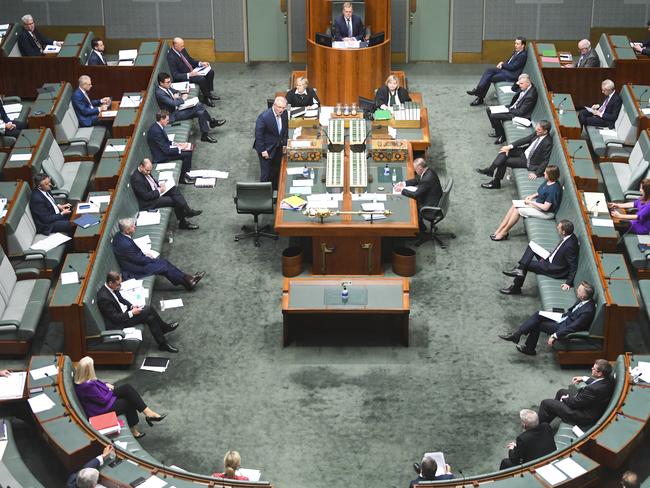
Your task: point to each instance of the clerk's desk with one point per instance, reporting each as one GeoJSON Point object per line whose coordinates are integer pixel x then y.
{"type": "Point", "coordinates": [348, 244]}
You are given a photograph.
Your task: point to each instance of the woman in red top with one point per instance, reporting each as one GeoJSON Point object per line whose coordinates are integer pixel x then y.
{"type": "Point", "coordinates": [231, 463]}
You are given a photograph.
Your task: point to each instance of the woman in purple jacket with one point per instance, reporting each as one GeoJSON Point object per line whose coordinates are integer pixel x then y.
{"type": "Point", "coordinates": [639, 221]}
{"type": "Point", "coordinates": [98, 397]}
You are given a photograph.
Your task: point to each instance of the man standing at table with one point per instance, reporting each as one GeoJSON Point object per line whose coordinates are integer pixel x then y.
{"type": "Point", "coordinates": [30, 40]}
{"type": "Point", "coordinates": [347, 26]}
{"type": "Point", "coordinates": [185, 68]}
{"type": "Point", "coordinates": [88, 110]}
{"type": "Point", "coordinates": [271, 134]}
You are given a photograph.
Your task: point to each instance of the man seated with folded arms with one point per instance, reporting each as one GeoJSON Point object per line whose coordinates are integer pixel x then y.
{"type": "Point", "coordinates": [534, 442]}
{"type": "Point", "coordinates": [531, 152]}
{"type": "Point", "coordinates": [503, 71]}
{"type": "Point", "coordinates": [427, 472]}
{"type": "Point", "coordinates": [163, 150]}
{"type": "Point", "coordinates": [172, 101]}
{"type": "Point", "coordinates": [152, 194]}
{"type": "Point", "coordinates": [136, 264]}
{"type": "Point", "coordinates": [588, 57]}
{"type": "Point", "coordinates": [87, 109]}
{"type": "Point", "coordinates": [49, 217]}
{"type": "Point", "coordinates": [561, 263]}
{"type": "Point", "coordinates": [8, 127]}
{"type": "Point", "coordinates": [577, 318]}
{"type": "Point", "coordinates": [521, 105]}
{"type": "Point", "coordinates": [88, 476]}
{"type": "Point", "coordinates": [185, 68]}
{"type": "Point", "coordinates": [96, 57]}
{"type": "Point", "coordinates": [119, 313]}
{"type": "Point", "coordinates": [605, 114]}
{"type": "Point", "coordinates": [642, 47]}
{"type": "Point", "coordinates": [585, 405]}
{"type": "Point", "coordinates": [30, 40]}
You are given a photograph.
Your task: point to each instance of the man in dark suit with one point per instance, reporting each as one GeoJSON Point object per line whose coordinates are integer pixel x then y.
{"type": "Point", "coordinates": [643, 47]}
{"type": "Point", "coordinates": [585, 405]}
{"type": "Point", "coordinates": [577, 318]}
{"type": "Point", "coordinates": [12, 128]}
{"type": "Point", "coordinates": [88, 109]}
{"type": "Point", "coordinates": [96, 57]}
{"type": "Point", "coordinates": [30, 40]}
{"type": "Point", "coordinates": [271, 133]}
{"type": "Point", "coordinates": [427, 472]}
{"type": "Point", "coordinates": [605, 114]}
{"type": "Point", "coordinates": [348, 26]}
{"type": "Point", "coordinates": [531, 152]}
{"type": "Point", "coordinates": [163, 150]}
{"type": "Point", "coordinates": [534, 442]}
{"type": "Point", "coordinates": [171, 100]}
{"type": "Point", "coordinates": [136, 264]}
{"type": "Point", "coordinates": [504, 71]}
{"type": "Point", "coordinates": [561, 263]}
{"type": "Point", "coordinates": [88, 476]}
{"type": "Point", "coordinates": [428, 192]}
{"type": "Point", "coordinates": [521, 105]}
{"type": "Point", "coordinates": [151, 194]}
{"type": "Point", "coordinates": [49, 217]}
{"type": "Point", "coordinates": [119, 313]}
{"type": "Point", "coordinates": [588, 57]}
{"type": "Point", "coordinates": [186, 68]}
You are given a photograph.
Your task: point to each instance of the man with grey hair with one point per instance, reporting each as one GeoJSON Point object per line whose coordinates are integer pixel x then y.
{"type": "Point", "coordinates": [30, 40]}
{"type": "Point", "coordinates": [605, 114]}
{"type": "Point", "coordinates": [88, 110]}
{"type": "Point", "coordinates": [184, 67]}
{"type": "Point", "coordinates": [88, 476]}
{"type": "Point", "coordinates": [271, 133]}
{"type": "Point", "coordinates": [588, 57]}
{"type": "Point", "coordinates": [521, 105]}
{"type": "Point", "coordinates": [534, 442]}
{"type": "Point", "coordinates": [134, 263]}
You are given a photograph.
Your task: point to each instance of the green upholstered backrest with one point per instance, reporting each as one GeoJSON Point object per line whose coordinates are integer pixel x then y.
{"type": "Point", "coordinates": [86, 48]}
{"type": "Point", "coordinates": [64, 103]}
{"type": "Point", "coordinates": [605, 52]}
{"type": "Point", "coordinates": [41, 154]}
{"type": "Point", "coordinates": [11, 40]}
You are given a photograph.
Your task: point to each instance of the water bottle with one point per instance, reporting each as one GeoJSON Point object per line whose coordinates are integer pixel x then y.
{"type": "Point", "coordinates": [170, 237]}
{"type": "Point", "coordinates": [394, 176]}
{"type": "Point", "coordinates": [345, 294]}
{"type": "Point", "coordinates": [311, 173]}
{"type": "Point", "coordinates": [305, 172]}
{"type": "Point", "coordinates": [386, 170]}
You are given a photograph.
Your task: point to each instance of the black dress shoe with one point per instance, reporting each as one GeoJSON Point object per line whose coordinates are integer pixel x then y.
{"type": "Point", "coordinates": [167, 347]}
{"type": "Point", "coordinates": [494, 237]}
{"type": "Point", "coordinates": [140, 435]}
{"type": "Point", "coordinates": [187, 180]}
{"type": "Point", "coordinates": [197, 276]}
{"type": "Point", "coordinates": [492, 185]}
{"type": "Point", "coordinates": [485, 171]}
{"type": "Point", "coordinates": [217, 123]}
{"type": "Point", "coordinates": [192, 212]}
{"type": "Point", "coordinates": [208, 102]}
{"type": "Point", "coordinates": [416, 466]}
{"type": "Point", "coordinates": [207, 138]}
{"type": "Point", "coordinates": [472, 92]}
{"type": "Point", "coordinates": [192, 281]}
{"type": "Point", "coordinates": [511, 290]}
{"type": "Point", "coordinates": [187, 225]}
{"type": "Point", "coordinates": [500, 140]}
{"type": "Point", "coordinates": [151, 420]}
{"type": "Point", "coordinates": [493, 134]}
{"type": "Point", "coordinates": [525, 350]}
{"type": "Point", "coordinates": [478, 101]}
{"type": "Point", "coordinates": [170, 327]}
{"type": "Point", "coordinates": [215, 97]}
{"type": "Point", "coordinates": [510, 337]}
{"type": "Point", "coordinates": [514, 272]}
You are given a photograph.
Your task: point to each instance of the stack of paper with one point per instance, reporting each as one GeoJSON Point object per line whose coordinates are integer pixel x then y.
{"type": "Point", "coordinates": [52, 49]}
{"type": "Point", "coordinates": [50, 242]}
{"type": "Point", "coordinates": [97, 200]}
{"type": "Point", "coordinates": [181, 86]}
{"type": "Point", "coordinates": [292, 203]}
{"type": "Point", "coordinates": [44, 372]}
{"type": "Point", "coordinates": [132, 333]}
{"type": "Point", "coordinates": [40, 403]}
{"type": "Point", "coordinates": [148, 218]}
{"type": "Point", "coordinates": [189, 103]}
{"type": "Point", "coordinates": [128, 54]}
{"type": "Point", "coordinates": [251, 474]}
{"type": "Point", "coordinates": [372, 207]}
{"type": "Point", "coordinates": [207, 173]}
{"type": "Point", "coordinates": [498, 109]}
{"type": "Point", "coordinates": [642, 371]}
{"type": "Point", "coordinates": [69, 278]}
{"type": "Point", "coordinates": [173, 303]}
{"type": "Point", "coordinates": [159, 365]}
{"type": "Point", "coordinates": [205, 182]}
{"type": "Point", "coordinates": [12, 386]}
{"type": "Point", "coordinates": [87, 207]}
{"type": "Point", "coordinates": [144, 243]}
{"type": "Point", "coordinates": [21, 157]}
{"type": "Point", "coordinates": [130, 101]}
{"type": "Point", "coordinates": [13, 110]}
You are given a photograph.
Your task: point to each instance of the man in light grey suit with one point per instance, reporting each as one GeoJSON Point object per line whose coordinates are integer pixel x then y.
{"type": "Point", "coordinates": [588, 57]}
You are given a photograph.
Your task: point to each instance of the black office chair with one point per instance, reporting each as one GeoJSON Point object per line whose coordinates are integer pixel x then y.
{"type": "Point", "coordinates": [255, 199]}
{"type": "Point", "coordinates": [434, 215]}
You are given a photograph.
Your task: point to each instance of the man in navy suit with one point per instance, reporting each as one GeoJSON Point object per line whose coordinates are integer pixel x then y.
{"type": "Point", "coordinates": [605, 114]}
{"type": "Point", "coordinates": [504, 71]}
{"type": "Point", "coordinates": [136, 264]}
{"type": "Point", "coordinates": [534, 442]}
{"type": "Point", "coordinates": [583, 406]}
{"type": "Point", "coordinates": [348, 26]}
{"type": "Point", "coordinates": [49, 216]}
{"type": "Point", "coordinates": [87, 109]}
{"type": "Point", "coordinates": [12, 127]}
{"type": "Point", "coordinates": [96, 57]}
{"type": "Point", "coordinates": [88, 476]}
{"type": "Point", "coordinates": [186, 68]}
{"type": "Point", "coordinates": [271, 133]}
{"type": "Point", "coordinates": [521, 105]}
{"type": "Point", "coordinates": [577, 318]}
{"type": "Point", "coordinates": [561, 263]}
{"type": "Point", "coordinates": [427, 472]}
{"type": "Point", "coordinates": [30, 40]}
{"type": "Point", "coordinates": [171, 100]}
{"type": "Point", "coordinates": [162, 149]}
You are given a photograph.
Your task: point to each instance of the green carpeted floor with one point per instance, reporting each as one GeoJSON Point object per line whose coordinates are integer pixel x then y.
{"type": "Point", "coordinates": [337, 415]}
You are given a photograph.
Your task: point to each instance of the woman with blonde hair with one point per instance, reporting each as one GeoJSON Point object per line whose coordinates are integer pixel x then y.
{"type": "Point", "coordinates": [391, 94]}
{"type": "Point", "coordinates": [98, 397]}
{"type": "Point", "coordinates": [231, 463]}
{"type": "Point", "coordinates": [302, 95]}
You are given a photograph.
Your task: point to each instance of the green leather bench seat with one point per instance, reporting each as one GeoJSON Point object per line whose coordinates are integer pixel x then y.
{"type": "Point", "coordinates": [10, 44]}
{"type": "Point", "coordinates": [3, 159]}
{"type": "Point", "coordinates": [626, 127]}
{"type": "Point", "coordinates": [636, 257]}
{"type": "Point", "coordinates": [644, 290]}
{"type": "Point", "coordinates": [622, 179]}
{"type": "Point", "coordinates": [637, 401]}
{"type": "Point", "coordinates": [13, 471]}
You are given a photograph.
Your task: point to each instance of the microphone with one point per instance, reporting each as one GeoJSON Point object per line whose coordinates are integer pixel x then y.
{"type": "Point", "coordinates": [75, 271]}
{"type": "Point", "coordinates": [31, 144]}
{"type": "Point", "coordinates": [460, 471]}
{"type": "Point", "coordinates": [52, 383]}
{"type": "Point", "coordinates": [642, 93]}
{"type": "Point", "coordinates": [330, 145]}
{"type": "Point", "coordinates": [595, 205]}
{"type": "Point", "coordinates": [361, 147]}
{"type": "Point", "coordinates": [620, 239]}
{"type": "Point", "coordinates": [609, 275]}
{"type": "Point", "coordinates": [570, 446]}
{"type": "Point", "coordinates": [574, 152]}
{"type": "Point", "coordinates": [559, 107]}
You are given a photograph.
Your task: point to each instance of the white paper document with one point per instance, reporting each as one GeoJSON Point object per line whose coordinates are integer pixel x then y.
{"type": "Point", "coordinates": [13, 108]}
{"type": "Point", "coordinates": [498, 109]}
{"type": "Point", "coordinates": [251, 474]}
{"type": "Point", "coordinates": [21, 157]}
{"type": "Point", "coordinates": [519, 203]}
{"type": "Point", "coordinates": [208, 173]}
{"type": "Point", "coordinates": [131, 284]}
{"type": "Point", "coordinates": [551, 474]}
{"type": "Point", "coordinates": [121, 444]}
{"type": "Point", "coordinates": [554, 316]}
{"type": "Point", "coordinates": [128, 54]}
{"type": "Point", "coordinates": [577, 431]}
{"type": "Point", "coordinates": [87, 207]}
{"type": "Point", "coordinates": [165, 166]}
{"type": "Point", "coordinates": [51, 48]}
{"type": "Point", "coordinates": [130, 101]}
{"type": "Point", "coordinates": [302, 190]}
{"type": "Point", "coordinates": [439, 458]}
{"type": "Point", "coordinates": [40, 403]}
{"type": "Point", "coordinates": [132, 333]}
{"type": "Point", "coordinates": [203, 70]}
{"type": "Point", "coordinates": [506, 89]}
{"type": "Point", "coordinates": [189, 103]}
{"type": "Point", "coordinates": [153, 482]}
{"type": "Point", "coordinates": [374, 216]}
{"type": "Point", "coordinates": [539, 250]}
{"type": "Point", "coordinates": [173, 303]}
{"type": "Point", "coordinates": [646, 111]}
{"type": "Point", "coordinates": [44, 372]}
{"type": "Point", "coordinates": [12, 386]}
{"type": "Point", "coordinates": [569, 467]}
{"type": "Point", "coordinates": [144, 243]}
{"type": "Point", "coordinates": [602, 223]}
{"type": "Point", "coordinates": [69, 278]}
{"type": "Point", "coordinates": [294, 171]}
{"type": "Point", "coordinates": [595, 202]}
{"type": "Point", "coordinates": [202, 182]}
{"type": "Point", "coordinates": [108, 113]}
{"type": "Point", "coordinates": [181, 86]}
{"type": "Point", "coordinates": [148, 218]}
{"type": "Point", "coordinates": [522, 121]}
{"type": "Point", "coordinates": [115, 147]}
{"type": "Point", "coordinates": [169, 184]}
{"type": "Point", "coordinates": [99, 199]}
{"type": "Point", "coordinates": [305, 182]}
{"type": "Point", "coordinates": [51, 241]}
{"type": "Point", "coordinates": [373, 207]}
{"type": "Point", "coordinates": [608, 133]}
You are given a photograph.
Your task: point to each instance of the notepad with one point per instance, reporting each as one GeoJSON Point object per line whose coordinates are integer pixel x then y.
{"type": "Point", "coordinates": [87, 207]}
{"type": "Point", "coordinates": [148, 218]}
{"type": "Point", "coordinates": [12, 386]}
{"type": "Point", "coordinates": [51, 241]}
{"type": "Point", "coordinates": [115, 147]}
{"type": "Point", "coordinates": [551, 474]}
{"type": "Point", "coordinates": [108, 113]}
{"type": "Point", "coordinates": [40, 403]}
{"type": "Point", "coordinates": [87, 220]}
{"type": "Point", "coordinates": [44, 372]}
{"type": "Point", "coordinates": [173, 303]}
{"type": "Point", "coordinates": [498, 109]}
{"type": "Point", "coordinates": [69, 278]}
{"type": "Point", "coordinates": [554, 316]}
{"type": "Point", "coordinates": [539, 250]}
{"type": "Point", "coordinates": [165, 166]}
{"type": "Point", "coordinates": [189, 103]}
{"type": "Point", "coordinates": [156, 364]}
{"type": "Point", "coordinates": [21, 157]}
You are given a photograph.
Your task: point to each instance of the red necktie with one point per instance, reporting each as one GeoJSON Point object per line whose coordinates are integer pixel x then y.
{"type": "Point", "coordinates": [187, 63]}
